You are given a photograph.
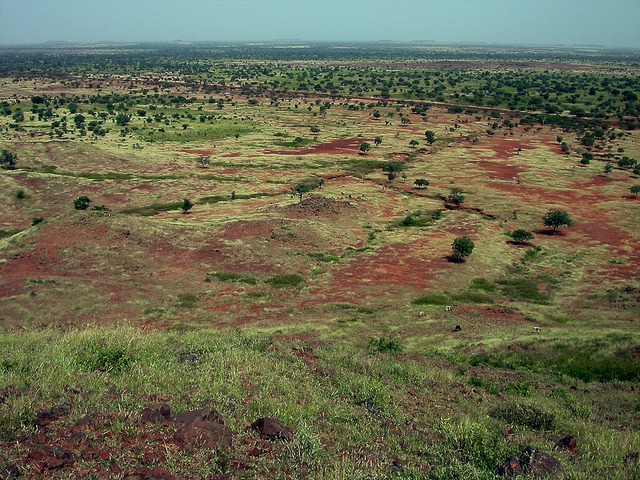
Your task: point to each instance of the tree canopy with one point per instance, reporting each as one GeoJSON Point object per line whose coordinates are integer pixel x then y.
{"type": "Point", "coordinates": [556, 219]}
{"type": "Point", "coordinates": [8, 159]}
{"type": "Point", "coordinates": [462, 248]}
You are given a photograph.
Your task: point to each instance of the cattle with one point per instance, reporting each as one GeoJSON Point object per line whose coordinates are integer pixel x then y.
{"type": "Point", "coordinates": [457, 329]}
{"type": "Point", "coordinates": [536, 330]}
{"type": "Point", "coordinates": [448, 308]}
{"type": "Point", "coordinates": [421, 314]}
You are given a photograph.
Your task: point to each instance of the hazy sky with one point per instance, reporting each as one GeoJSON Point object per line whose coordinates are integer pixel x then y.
{"type": "Point", "coordinates": [614, 23]}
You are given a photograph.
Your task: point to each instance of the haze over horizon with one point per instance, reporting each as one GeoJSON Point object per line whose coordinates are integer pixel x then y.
{"type": "Point", "coordinates": [607, 23]}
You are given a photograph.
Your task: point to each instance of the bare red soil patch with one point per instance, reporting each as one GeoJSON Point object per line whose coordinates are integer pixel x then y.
{"type": "Point", "coordinates": [340, 146]}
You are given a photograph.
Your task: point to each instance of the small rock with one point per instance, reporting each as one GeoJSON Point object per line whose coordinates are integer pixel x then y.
{"type": "Point", "coordinates": [51, 458]}
{"type": "Point", "coordinates": [204, 434]}
{"type": "Point", "coordinates": [43, 419]}
{"type": "Point", "coordinates": [158, 413]}
{"type": "Point", "coordinates": [511, 468]}
{"type": "Point", "coordinates": [61, 409]}
{"type": "Point", "coordinates": [9, 472]}
{"type": "Point", "coordinates": [187, 358]}
{"type": "Point", "coordinates": [272, 429]}
{"type": "Point", "coordinates": [567, 443]}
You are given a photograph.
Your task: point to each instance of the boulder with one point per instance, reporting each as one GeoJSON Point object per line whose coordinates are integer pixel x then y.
{"type": "Point", "coordinates": [539, 464]}
{"type": "Point", "coordinates": [272, 429]}
{"type": "Point", "coordinates": [204, 434]}
{"type": "Point", "coordinates": [202, 428]}
{"type": "Point", "coordinates": [532, 463]}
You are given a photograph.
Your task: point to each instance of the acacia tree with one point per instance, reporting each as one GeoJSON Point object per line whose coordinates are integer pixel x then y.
{"type": "Point", "coordinates": [556, 219]}
{"type": "Point", "coordinates": [300, 189]}
{"type": "Point", "coordinates": [81, 203]}
{"type": "Point", "coordinates": [186, 206]}
{"type": "Point", "coordinates": [521, 236]}
{"type": "Point", "coordinates": [462, 248]}
{"type": "Point", "coordinates": [8, 159]}
{"type": "Point", "coordinates": [431, 136]}
{"type": "Point", "coordinates": [392, 169]}
{"type": "Point", "coordinates": [456, 197]}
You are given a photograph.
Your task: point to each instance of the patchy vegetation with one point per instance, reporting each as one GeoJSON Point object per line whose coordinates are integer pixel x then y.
{"type": "Point", "coordinates": [246, 262]}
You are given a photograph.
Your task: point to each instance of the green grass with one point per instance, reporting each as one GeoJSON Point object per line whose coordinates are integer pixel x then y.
{"type": "Point", "coordinates": [196, 133]}
{"type": "Point", "coordinates": [231, 277]}
{"type": "Point", "coordinates": [285, 280]}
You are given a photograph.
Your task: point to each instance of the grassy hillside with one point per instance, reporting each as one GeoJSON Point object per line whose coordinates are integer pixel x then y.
{"type": "Point", "coordinates": [310, 279]}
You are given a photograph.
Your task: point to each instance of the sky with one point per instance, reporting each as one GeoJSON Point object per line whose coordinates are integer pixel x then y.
{"type": "Point", "coordinates": [610, 23]}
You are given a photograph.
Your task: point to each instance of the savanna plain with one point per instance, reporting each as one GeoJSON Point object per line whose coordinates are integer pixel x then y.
{"type": "Point", "coordinates": [319, 262]}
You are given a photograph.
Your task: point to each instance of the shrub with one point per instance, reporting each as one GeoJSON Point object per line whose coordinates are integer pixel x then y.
{"type": "Point", "coordinates": [36, 221]}
{"type": "Point", "coordinates": [525, 415]}
{"type": "Point", "coordinates": [384, 345]}
{"type": "Point", "coordinates": [432, 299]}
{"type": "Point", "coordinates": [288, 280]}
{"type": "Point", "coordinates": [81, 203]}
{"type": "Point", "coordinates": [105, 358]}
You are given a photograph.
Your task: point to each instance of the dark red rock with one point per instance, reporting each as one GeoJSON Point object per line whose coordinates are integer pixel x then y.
{"type": "Point", "coordinates": [158, 413]}
{"type": "Point", "coordinates": [272, 429]}
{"type": "Point", "coordinates": [208, 414]}
{"type": "Point", "coordinates": [204, 434]}
{"type": "Point", "coordinates": [568, 443]}
{"type": "Point", "coordinates": [539, 464]}
{"type": "Point", "coordinates": [511, 468]}
{"type": "Point", "coordinates": [43, 419]}
{"type": "Point", "coordinates": [51, 458]}
{"type": "Point", "coordinates": [9, 472]}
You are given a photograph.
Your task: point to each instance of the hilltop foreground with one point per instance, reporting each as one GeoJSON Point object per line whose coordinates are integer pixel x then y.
{"type": "Point", "coordinates": [189, 244]}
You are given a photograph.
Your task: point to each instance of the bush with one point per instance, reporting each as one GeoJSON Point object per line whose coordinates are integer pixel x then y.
{"type": "Point", "coordinates": [36, 221]}
{"type": "Point", "coordinates": [525, 415]}
{"type": "Point", "coordinates": [81, 203]}
{"type": "Point", "coordinates": [384, 345]}
{"type": "Point", "coordinates": [280, 281]}
{"type": "Point", "coordinates": [432, 299]}
{"type": "Point", "coordinates": [105, 358]}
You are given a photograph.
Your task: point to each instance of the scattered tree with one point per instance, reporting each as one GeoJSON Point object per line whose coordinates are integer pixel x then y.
{"type": "Point", "coordinates": [392, 170]}
{"type": "Point", "coordinates": [421, 183]}
{"type": "Point", "coordinates": [377, 141]}
{"type": "Point", "coordinates": [186, 206]}
{"type": "Point", "coordinates": [300, 189]}
{"type": "Point", "coordinates": [635, 189]}
{"type": "Point", "coordinates": [413, 143]}
{"type": "Point", "coordinates": [431, 136]}
{"type": "Point", "coordinates": [521, 236]}
{"type": "Point", "coordinates": [315, 129]}
{"type": "Point", "coordinates": [365, 147]}
{"type": "Point", "coordinates": [8, 159]}
{"type": "Point", "coordinates": [81, 203]}
{"type": "Point", "coordinates": [456, 197]}
{"type": "Point", "coordinates": [608, 168]}
{"type": "Point", "coordinates": [556, 219]}
{"type": "Point", "coordinates": [462, 248]}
